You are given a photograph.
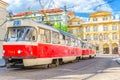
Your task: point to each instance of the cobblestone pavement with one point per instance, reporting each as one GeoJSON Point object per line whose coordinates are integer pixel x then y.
{"type": "Point", "coordinates": [103, 67]}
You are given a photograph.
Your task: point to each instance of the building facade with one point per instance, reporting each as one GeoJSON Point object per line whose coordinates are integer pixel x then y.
{"type": "Point", "coordinates": [103, 31]}
{"type": "Point", "coordinates": [3, 19]}
{"type": "Point", "coordinates": [53, 16]}
{"type": "Point", "coordinates": [75, 27]}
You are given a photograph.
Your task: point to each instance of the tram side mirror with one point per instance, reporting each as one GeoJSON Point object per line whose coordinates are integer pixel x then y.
{"type": "Point", "coordinates": [33, 37]}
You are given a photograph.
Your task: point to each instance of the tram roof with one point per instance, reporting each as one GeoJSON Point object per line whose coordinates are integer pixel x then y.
{"type": "Point", "coordinates": [29, 23]}
{"type": "Point", "coordinates": [37, 24]}
{"type": "Point", "coordinates": [67, 34]}
{"type": "Point", "coordinates": [46, 26]}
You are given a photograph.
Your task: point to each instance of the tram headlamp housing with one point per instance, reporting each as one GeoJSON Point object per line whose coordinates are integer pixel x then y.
{"type": "Point", "coordinates": [3, 51]}
{"type": "Point", "coordinates": [19, 51]}
{"type": "Point", "coordinates": [31, 53]}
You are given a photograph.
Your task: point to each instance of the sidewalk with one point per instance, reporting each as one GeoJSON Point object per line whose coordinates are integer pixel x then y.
{"type": "Point", "coordinates": [2, 63]}
{"type": "Point", "coordinates": [118, 60]}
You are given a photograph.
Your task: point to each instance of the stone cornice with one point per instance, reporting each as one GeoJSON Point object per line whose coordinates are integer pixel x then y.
{"type": "Point", "coordinates": [4, 3]}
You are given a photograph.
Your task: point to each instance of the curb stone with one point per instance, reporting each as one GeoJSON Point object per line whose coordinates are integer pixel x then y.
{"type": "Point", "coordinates": [2, 63]}
{"type": "Point", "coordinates": [118, 60]}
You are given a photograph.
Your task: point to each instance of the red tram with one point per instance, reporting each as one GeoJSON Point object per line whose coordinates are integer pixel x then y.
{"type": "Point", "coordinates": [88, 50]}
{"type": "Point", "coordinates": [28, 43]}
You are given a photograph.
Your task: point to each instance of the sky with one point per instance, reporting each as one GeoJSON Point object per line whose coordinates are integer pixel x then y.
{"type": "Point", "coordinates": [81, 8]}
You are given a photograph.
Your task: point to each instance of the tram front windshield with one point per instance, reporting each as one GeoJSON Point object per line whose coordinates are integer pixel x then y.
{"type": "Point", "coordinates": [20, 34]}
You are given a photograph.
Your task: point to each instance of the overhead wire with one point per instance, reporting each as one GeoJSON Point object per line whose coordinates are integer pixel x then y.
{"type": "Point", "coordinates": [110, 1]}
{"type": "Point", "coordinates": [44, 12]}
{"type": "Point", "coordinates": [29, 7]}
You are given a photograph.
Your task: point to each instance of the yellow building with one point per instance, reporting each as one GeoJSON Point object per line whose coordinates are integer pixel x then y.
{"type": "Point", "coordinates": [103, 31]}
{"type": "Point", "coordinates": [75, 27]}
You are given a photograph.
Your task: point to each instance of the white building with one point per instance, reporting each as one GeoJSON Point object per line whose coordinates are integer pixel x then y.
{"type": "Point", "coordinates": [52, 15]}
{"type": "Point", "coordinates": [3, 14]}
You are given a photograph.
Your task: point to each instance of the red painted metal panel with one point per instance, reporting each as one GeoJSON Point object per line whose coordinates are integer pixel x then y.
{"type": "Point", "coordinates": [41, 51]}
{"type": "Point", "coordinates": [12, 50]}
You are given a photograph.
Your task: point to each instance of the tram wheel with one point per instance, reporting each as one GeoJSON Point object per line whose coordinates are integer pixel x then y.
{"type": "Point", "coordinates": [46, 66]}
{"type": "Point", "coordinates": [60, 62]}
{"type": "Point", "coordinates": [51, 65]}
{"type": "Point", "coordinates": [57, 63]}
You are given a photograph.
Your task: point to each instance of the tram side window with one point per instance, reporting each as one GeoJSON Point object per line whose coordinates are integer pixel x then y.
{"type": "Point", "coordinates": [72, 42]}
{"type": "Point", "coordinates": [68, 41]}
{"type": "Point", "coordinates": [79, 43]}
{"type": "Point", "coordinates": [62, 39]}
{"type": "Point", "coordinates": [89, 46]}
{"type": "Point", "coordinates": [48, 36]}
{"type": "Point", "coordinates": [55, 37]}
{"type": "Point", "coordinates": [83, 45]}
{"type": "Point", "coordinates": [76, 43]}
{"type": "Point", "coordinates": [34, 35]}
{"type": "Point", "coordinates": [45, 36]}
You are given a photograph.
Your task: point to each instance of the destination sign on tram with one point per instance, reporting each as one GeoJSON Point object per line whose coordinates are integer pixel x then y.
{"type": "Point", "coordinates": [17, 23]}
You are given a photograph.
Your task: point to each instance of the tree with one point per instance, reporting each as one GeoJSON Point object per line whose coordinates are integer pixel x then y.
{"type": "Point", "coordinates": [59, 26]}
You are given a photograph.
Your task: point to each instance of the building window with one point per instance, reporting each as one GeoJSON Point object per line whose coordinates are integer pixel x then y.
{"type": "Point", "coordinates": [94, 19]}
{"type": "Point", "coordinates": [57, 17]}
{"type": "Point", "coordinates": [74, 31]}
{"type": "Point", "coordinates": [114, 27]}
{"type": "Point", "coordinates": [71, 31]}
{"type": "Point", "coordinates": [105, 19]}
{"type": "Point", "coordinates": [38, 18]}
{"type": "Point", "coordinates": [51, 17]}
{"type": "Point", "coordinates": [105, 37]}
{"type": "Point", "coordinates": [95, 37]}
{"type": "Point", "coordinates": [88, 37]}
{"type": "Point", "coordinates": [78, 22]}
{"type": "Point", "coordinates": [80, 31]}
{"type": "Point", "coordinates": [95, 29]}
{"type": "Point", "coordinates": [77, 31]}
{"type": "Point", "coordinates": [87, 29]}
{"type": "Point", "coordinates": [114, 36]}
{"type": "Point", "coordinates": [105, 28]}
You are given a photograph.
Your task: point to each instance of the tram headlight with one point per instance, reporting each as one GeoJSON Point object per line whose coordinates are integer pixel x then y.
{"type": "Point", "coordinates": [19, 51]}
{"type": "Point", "coordinates": [3, 51]}
{"type": "Point", "coordinates": [31, 53]}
